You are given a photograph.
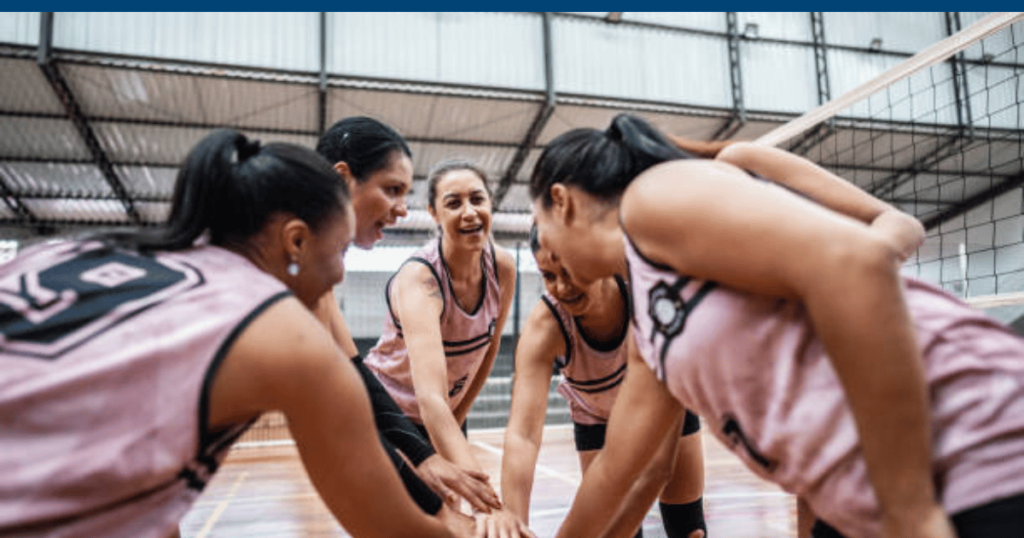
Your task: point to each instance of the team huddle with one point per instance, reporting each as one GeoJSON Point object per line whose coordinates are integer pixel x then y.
{"type": "Point", "coordinates": [732, 289]}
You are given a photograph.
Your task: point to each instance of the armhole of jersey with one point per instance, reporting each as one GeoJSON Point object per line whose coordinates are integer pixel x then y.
{"type": "Point", "coordinates": [652, 263]}
{"type": "Point", "coordinates": [206, 437]}
{"type": "Point", "coordinates": [437, 278]}
{"type": "Point", "coordinates": [497, 270]}
{"type": "Point", "coordinates": [561, 327]}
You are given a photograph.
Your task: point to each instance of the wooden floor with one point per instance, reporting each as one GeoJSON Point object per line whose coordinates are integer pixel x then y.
{"type": "Point", "coordinates": [264, 493]}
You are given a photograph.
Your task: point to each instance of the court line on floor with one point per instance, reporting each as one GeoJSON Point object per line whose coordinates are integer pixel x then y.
{"type": "Point", "coordinates": [222, 506]}
{"type": "Point", "coordinates": [540, 467]}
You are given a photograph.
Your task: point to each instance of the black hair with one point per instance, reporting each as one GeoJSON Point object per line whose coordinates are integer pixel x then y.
{"type": "Point", "coordinates": [363, 143]}
{"type": "Point", "coordinates": [534, 239]}
{"type": "Point", "coordinates": [602, 163]}
{"type": "Point", "coordinates": [229, 186]}
{"type": "Point", "coordinates": [442, 168]}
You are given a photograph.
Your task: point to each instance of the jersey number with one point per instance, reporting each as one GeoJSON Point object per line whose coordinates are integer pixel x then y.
{"type": "Point", "coordinates": [45, 313]}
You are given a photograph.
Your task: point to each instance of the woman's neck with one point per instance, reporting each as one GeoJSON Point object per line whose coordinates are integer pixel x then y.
{"type": "Point", "coordinates": [606, 317]}
{"type": "Point", "coordinates": [463, 264]}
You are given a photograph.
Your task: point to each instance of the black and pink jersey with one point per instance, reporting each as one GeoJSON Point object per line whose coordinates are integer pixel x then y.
{"type": "Point", "coordinates": [466, 334]}
{"type": "Point", "coordinates": [753, 368]}
{"type": "Point", "coordinates": [106, 362]}
{"type": "Point", "coordinates": [592, 373]}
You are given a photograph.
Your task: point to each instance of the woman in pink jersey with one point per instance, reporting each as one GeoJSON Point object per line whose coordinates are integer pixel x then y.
{"type": "Point", "coordinates": [130, 362]}
{"type": "Point", "coordinates": [447, 306]}
{"type": "Point", "coordinates": [376, 164]}
{"type": "Point", "coordinates": [776, 312]}
{"type": "Point", "coordinates": [582, 333]}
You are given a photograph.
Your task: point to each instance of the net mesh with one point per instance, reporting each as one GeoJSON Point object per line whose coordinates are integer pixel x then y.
{"type": "Point", "coordinates": [941, 136]}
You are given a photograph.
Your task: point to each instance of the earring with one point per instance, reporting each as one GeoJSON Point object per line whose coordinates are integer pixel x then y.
{"type": "Point", "coordinates": [293, 269]}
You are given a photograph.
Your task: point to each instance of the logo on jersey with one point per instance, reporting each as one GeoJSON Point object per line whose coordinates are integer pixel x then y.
{"type": "Point", "coordinates": [668, 311]}
{"type": "Point", "coordinates": [44, 313]}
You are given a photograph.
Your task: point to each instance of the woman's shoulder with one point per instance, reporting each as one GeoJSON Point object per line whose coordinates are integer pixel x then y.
{"type": "Point", "coordinates": [506, 264]}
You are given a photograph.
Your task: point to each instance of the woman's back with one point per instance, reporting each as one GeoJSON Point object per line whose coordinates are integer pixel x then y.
{"type": "Point", "coordinates": [105, 364]}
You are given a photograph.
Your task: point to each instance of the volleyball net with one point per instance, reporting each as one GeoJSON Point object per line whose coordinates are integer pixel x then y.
{"type": "Point", "coordinates": [941, 136]}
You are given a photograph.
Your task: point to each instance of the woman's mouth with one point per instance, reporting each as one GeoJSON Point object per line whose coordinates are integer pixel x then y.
{"type": "Point", "coordinates": [572, 300]}
{"type": "Point", "coordinates": [472, 229]}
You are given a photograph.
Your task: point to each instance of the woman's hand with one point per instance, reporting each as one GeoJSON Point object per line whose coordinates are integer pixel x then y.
{"type": "Point", "coordinates": [501, 524]}
{"type": "Point", "coordinates": [452, 482]}
{"type": "Point", "coordinates": [904, 232]}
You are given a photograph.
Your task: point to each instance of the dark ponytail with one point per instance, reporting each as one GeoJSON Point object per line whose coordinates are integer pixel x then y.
{"type": "Point", "coordinates": [229, 186]}
{"type": "Point", "coordinates": [363, 143]}
{"type": "Point", "coordinates": [602, 163]}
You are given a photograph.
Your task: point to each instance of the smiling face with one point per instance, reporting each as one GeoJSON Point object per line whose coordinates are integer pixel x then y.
{"type": "Point", "coordinates": [575, 228]}
{"type": "Point", "coordinates": [379, 199]}
{"type": "Point", "coordinates": [462, 208]}
{"type": "Point", "coordinates": [558, 283]}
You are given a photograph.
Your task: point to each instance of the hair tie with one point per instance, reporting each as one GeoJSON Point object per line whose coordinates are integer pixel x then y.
{"type": "Point", "coordinates": [246, 148]}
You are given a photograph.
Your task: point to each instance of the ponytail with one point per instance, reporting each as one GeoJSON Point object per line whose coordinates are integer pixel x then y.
{"type": "Point", "coordinates": [602, 163]}
{"type": "Point", "coordinates": [229, 186]}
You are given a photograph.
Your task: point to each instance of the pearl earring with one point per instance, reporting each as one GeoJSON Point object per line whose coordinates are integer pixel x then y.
{"type": "Point", "coordinates": [293, 269]}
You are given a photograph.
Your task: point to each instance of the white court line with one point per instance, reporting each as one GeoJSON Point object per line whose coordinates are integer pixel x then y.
{"type": "Point", "coordinates": [222, 506]}
{"type": "Point", "coordinates": [542, 468]}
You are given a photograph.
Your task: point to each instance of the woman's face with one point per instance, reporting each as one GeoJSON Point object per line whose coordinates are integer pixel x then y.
{"type": "Point", "coordinates": [560, 285]}
{"type": "Point", "coordinates": [462, 208]}
{"type": "Point", "coordinates": [321, 263]}
{"type": "Point", "coordinates": [577, 244]}
{"type": "Point", "coordinates": [379, 201]}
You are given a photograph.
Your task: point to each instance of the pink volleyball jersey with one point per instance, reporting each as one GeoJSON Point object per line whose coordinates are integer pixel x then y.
{"type": "Point", "coordinates": [466, 335]}
{"type": "Point", "coordinates": [591, 372]}
{"type": "Point", "coordinates": [106, 362]}
{"type": "Point", "coordinates": [753, 368]}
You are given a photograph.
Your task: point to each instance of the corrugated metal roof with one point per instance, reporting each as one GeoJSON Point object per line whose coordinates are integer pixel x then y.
{"type": "Point", "coordinates": [102, 211]}
{"type": "Point", "coordinates": [595, 58]}
{"type": "Point", "coordinates": [568, 117]}
{"type": "Point", "coordinates": [7, 214]}
{"type": "Point", "coordinates": [148, 181]}
{"type": "Point", "coordinates": [489, 49]}
{"type": "Point", "coordinates": [23, 88]}
{"type": "Point", "coordinates": [778, 25]}
{"type": "Point", "coordinates": [288, 41]}
{"type": "Point", "coordinates": [155, 212]}
{"type": "Point", "coordinates": [51, 179]}
{"type": "Point", "coordinates": [437, 116]}
{"type": "Point", "coordinates": [21, 28]}
{"type": "Point", "coordinates": [41, 138]}
{"type": "Point", "coordinates": [127, 143]}
{"type": "Point", "coordinates": [765, 64]}
{"type": "Point", "coordinates": [901, 32]}
{"type": "Point", "coordinates": [492, 160]}
{"type": "Point", "coordinates": [693, 20]}
{"type": "Point", "coordinates": [141, 95]}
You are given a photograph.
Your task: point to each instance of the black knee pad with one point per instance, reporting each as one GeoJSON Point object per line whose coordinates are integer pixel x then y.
{"type": "Point", "coordinates": [682, 519]}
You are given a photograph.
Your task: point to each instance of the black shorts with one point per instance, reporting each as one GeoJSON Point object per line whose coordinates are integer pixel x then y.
{"type": "Point", "coordinates": [998, 519]}
{"type": "Point", "coordinates": [591, 436]}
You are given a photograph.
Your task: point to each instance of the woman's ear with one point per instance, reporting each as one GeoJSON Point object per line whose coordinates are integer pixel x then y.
{"type": "Point", "coordinates": [562, 203]}
{"type": "Point", "coordinates": [294, 236]}
{"type": "Point", "coordinates": [341, 167]}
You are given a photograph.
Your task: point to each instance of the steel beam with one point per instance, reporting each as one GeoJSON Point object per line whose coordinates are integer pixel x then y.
{"type": "Point", "coordinates": [539, 121]}
{"type": "Point", "coordinates": [976, 200]}
{"type": "Point", "coordinates": [74, 113]}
